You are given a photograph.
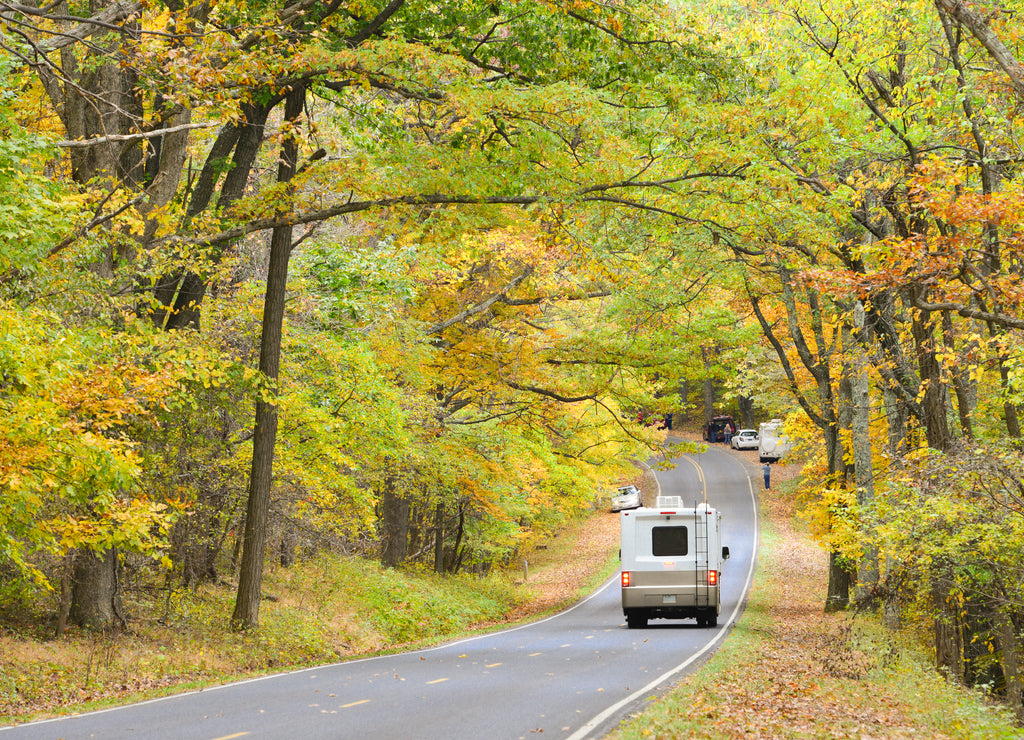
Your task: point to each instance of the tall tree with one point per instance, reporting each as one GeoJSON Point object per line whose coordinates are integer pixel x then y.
{"type": "Point", "coordinates": [247, 605]}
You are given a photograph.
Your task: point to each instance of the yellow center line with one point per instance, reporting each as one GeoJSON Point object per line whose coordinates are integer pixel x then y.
{"type": "Point", "coordinates": [700, 476]}
{"type": "Point", "coordinates": [437, 680]}
{"type": "Point", "coordinates": [355, 703]}
{"type": "Point", "coordinates": [492, 665]}
{"type": "Point", "coordinates": [533, 654]}
{"type": "Point", "coordinates": [229, 737]}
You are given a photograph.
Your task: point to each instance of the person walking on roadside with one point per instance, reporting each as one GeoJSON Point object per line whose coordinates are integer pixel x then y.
{"type": "Point", "coordinates": [767, 470]}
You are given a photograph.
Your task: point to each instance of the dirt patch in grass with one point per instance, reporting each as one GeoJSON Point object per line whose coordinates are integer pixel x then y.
{"type": "Point", "coordinates": [556, 581]}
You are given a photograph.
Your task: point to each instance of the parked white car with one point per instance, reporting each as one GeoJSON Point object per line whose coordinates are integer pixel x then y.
{"type": "Point", "coordinates": [745, 439]}
{"type": "Point", "coordinates": [628, 497]}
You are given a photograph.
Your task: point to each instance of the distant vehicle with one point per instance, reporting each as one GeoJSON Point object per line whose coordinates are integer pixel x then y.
{"type": "Point", "coordinates": [628, 497]}
{"type": "Point", "coordinates": [658, 421]}
{"type": "Point", "coordinates": [745, 439]}
{"type": "Point", "coordinates": [672, 560]}
{"type": "Point", "coordinates": [773, 444]}
{"type": "Point", "coordinates": [714, 430]}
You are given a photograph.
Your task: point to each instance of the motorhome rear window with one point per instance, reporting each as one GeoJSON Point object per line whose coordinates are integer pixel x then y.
{"type": "Point", "coordinates": [668, 541]}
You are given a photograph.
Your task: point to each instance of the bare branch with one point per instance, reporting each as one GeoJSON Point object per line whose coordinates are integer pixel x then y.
{"type": "Point", "coordinates": [134, 137]}
{"type": "Point", "coordinates": [995, 47]}
{"type": "Point", "coordinates": [483, 305]}
{"type": "Point", "coordinates": [106, 20]}
{"type": "Point", "coordinates": [999, 319]}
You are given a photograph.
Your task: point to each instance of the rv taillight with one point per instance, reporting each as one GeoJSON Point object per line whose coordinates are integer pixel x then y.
{"type": "Point", "coordinates": [712, 577]}
{"type": "Point", "coordinates": [625, 579]}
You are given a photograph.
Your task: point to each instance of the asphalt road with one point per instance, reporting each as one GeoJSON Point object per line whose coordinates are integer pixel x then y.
{"type": "Point", "coordinates": [573, 675]}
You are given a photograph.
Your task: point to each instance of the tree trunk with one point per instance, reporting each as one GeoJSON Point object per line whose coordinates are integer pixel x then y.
{"type": "Point", "coordinates": [746, 407]}
{"type": "Point", "coordinates": [66, 579]}
{"type": "Point", "coordinates": [415, 530]}
{"type": "Point", "coordinates": [933, 405]}
{"type": "Point", "coordinates": [197, 540]}
{"type": "Point", "coordinates": [838, 597]}
{"type": "Point", "coordinates": [867, 570]}
{"type": "Point", "coordinates": [709, 387]}
{"type": "Point", "coordinates": [949, 646]}
{"type": "Point", "coordinates": [395, 526]}
{"type": "Point", "coordinates": [250, 579]}
{"type": "Point", "coordinates": [978, 24]}
{"type": "Point", "coordinates": [844, 414]}
{"type": "Point", "coordinates": [896, 422]}
{"type": "Point", "coordinates": [287, 549]}
{"type": "Point", "coordinates": [95, 96]}
{"type": "Point", "coordinates": [684, 403]}
{"type": "Point", "coordinates": [825, 418]}
{"type": "Point", "coordinates": [961, 380]}
{"type": "Point", "coordinates": [1009, 409]}
{"type": "Point", "coordinates": [181, 294]}
{"type": "Point", "coordinates": [1009, 652]}
{"type": "Point", "coordinates": [95, 593]}
{"type": "Point", "coordinates": [458, 551]}
{"type": "Point", "coordinates": [439, 538]}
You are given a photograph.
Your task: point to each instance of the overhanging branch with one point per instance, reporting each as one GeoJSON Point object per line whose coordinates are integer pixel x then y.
{"type": "Point", "coordinates": [999, 319]}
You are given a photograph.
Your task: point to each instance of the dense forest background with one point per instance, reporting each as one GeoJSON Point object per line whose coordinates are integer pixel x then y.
{"type": "Point", "coordinates": [401, 281]}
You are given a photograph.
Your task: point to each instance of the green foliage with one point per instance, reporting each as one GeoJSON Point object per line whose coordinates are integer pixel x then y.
{"type": "Point", "coordinates": [81, 405]}
{"type": "Point", "coordinates": [410, 607]}
{"type": "Point", "coordinates": [33, 207]}
{"type": "Point", "coordinates": [814, 675]}
{"type": "Point", "coordinates": [955, 521]}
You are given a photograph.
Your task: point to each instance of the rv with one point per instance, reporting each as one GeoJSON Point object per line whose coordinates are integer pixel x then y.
{"type": "Point", "coordinates": [671, 563]}
{"type": "Point", "coordinates": [772, 445]}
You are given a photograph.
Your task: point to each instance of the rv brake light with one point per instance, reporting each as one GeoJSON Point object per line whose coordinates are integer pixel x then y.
{"type": "Point", "coordinates": [666, 512]}
{"type": "Point", "coordinates": [625, 579]}
{"type": "Point", "coordinates": [712, 577]}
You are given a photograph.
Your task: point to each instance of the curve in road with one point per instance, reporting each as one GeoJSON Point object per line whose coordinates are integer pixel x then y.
{"type": "Point", "coordinates": [571, 675]}
{"type": "Point", "coordinates": [638, 696]}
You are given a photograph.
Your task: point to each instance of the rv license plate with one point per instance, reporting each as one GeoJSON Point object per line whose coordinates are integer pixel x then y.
{"type": "Point", "coordinates": [670, 599]}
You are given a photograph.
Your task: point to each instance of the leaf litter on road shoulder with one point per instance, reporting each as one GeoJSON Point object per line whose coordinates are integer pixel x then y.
{"type": "Point", "coordinates": [788, 670]}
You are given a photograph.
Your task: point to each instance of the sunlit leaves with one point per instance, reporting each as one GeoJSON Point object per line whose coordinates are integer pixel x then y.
{"type": "Point", "coordinates": [32, 207]}
{"type": "Point", "coordinates": [77, 400]}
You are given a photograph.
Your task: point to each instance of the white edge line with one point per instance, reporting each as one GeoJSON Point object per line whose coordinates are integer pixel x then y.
{"type": "Point", "coordinates": [575, 736]}
{"type": "Point", "coordinates": [322, 667]}
{"type": "Point", "coordinates": [586, 729]}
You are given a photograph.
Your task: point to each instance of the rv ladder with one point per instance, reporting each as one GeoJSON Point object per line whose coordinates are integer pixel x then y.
{"type": "Point", "coordinates": [702, 591]}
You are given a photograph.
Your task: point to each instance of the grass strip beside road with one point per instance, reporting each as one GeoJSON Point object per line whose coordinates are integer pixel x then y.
{"type": "Point", "coordinates": [321, 610]}
{"type": "Point", "coordinates": [785, 671]}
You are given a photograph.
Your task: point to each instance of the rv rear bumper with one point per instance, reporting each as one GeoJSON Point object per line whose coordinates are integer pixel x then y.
{"type": "Point", "coordinates": [662, 602]}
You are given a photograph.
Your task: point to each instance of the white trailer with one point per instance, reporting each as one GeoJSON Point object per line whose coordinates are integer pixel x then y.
{"type": "Point", "coordinates": [671, 563]}
{"type": "Point", "coordinates": [772, 444]}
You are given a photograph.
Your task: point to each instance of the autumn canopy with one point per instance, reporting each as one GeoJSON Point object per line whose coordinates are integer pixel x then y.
{"type": "Point", "coordinates": [408, 281]}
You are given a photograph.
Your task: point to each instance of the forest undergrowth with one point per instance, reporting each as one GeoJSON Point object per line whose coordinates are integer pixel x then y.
{"type": "Point", "coordinates": [322, 610]}
{"type": "Point", "coordinates": [785, 671]}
